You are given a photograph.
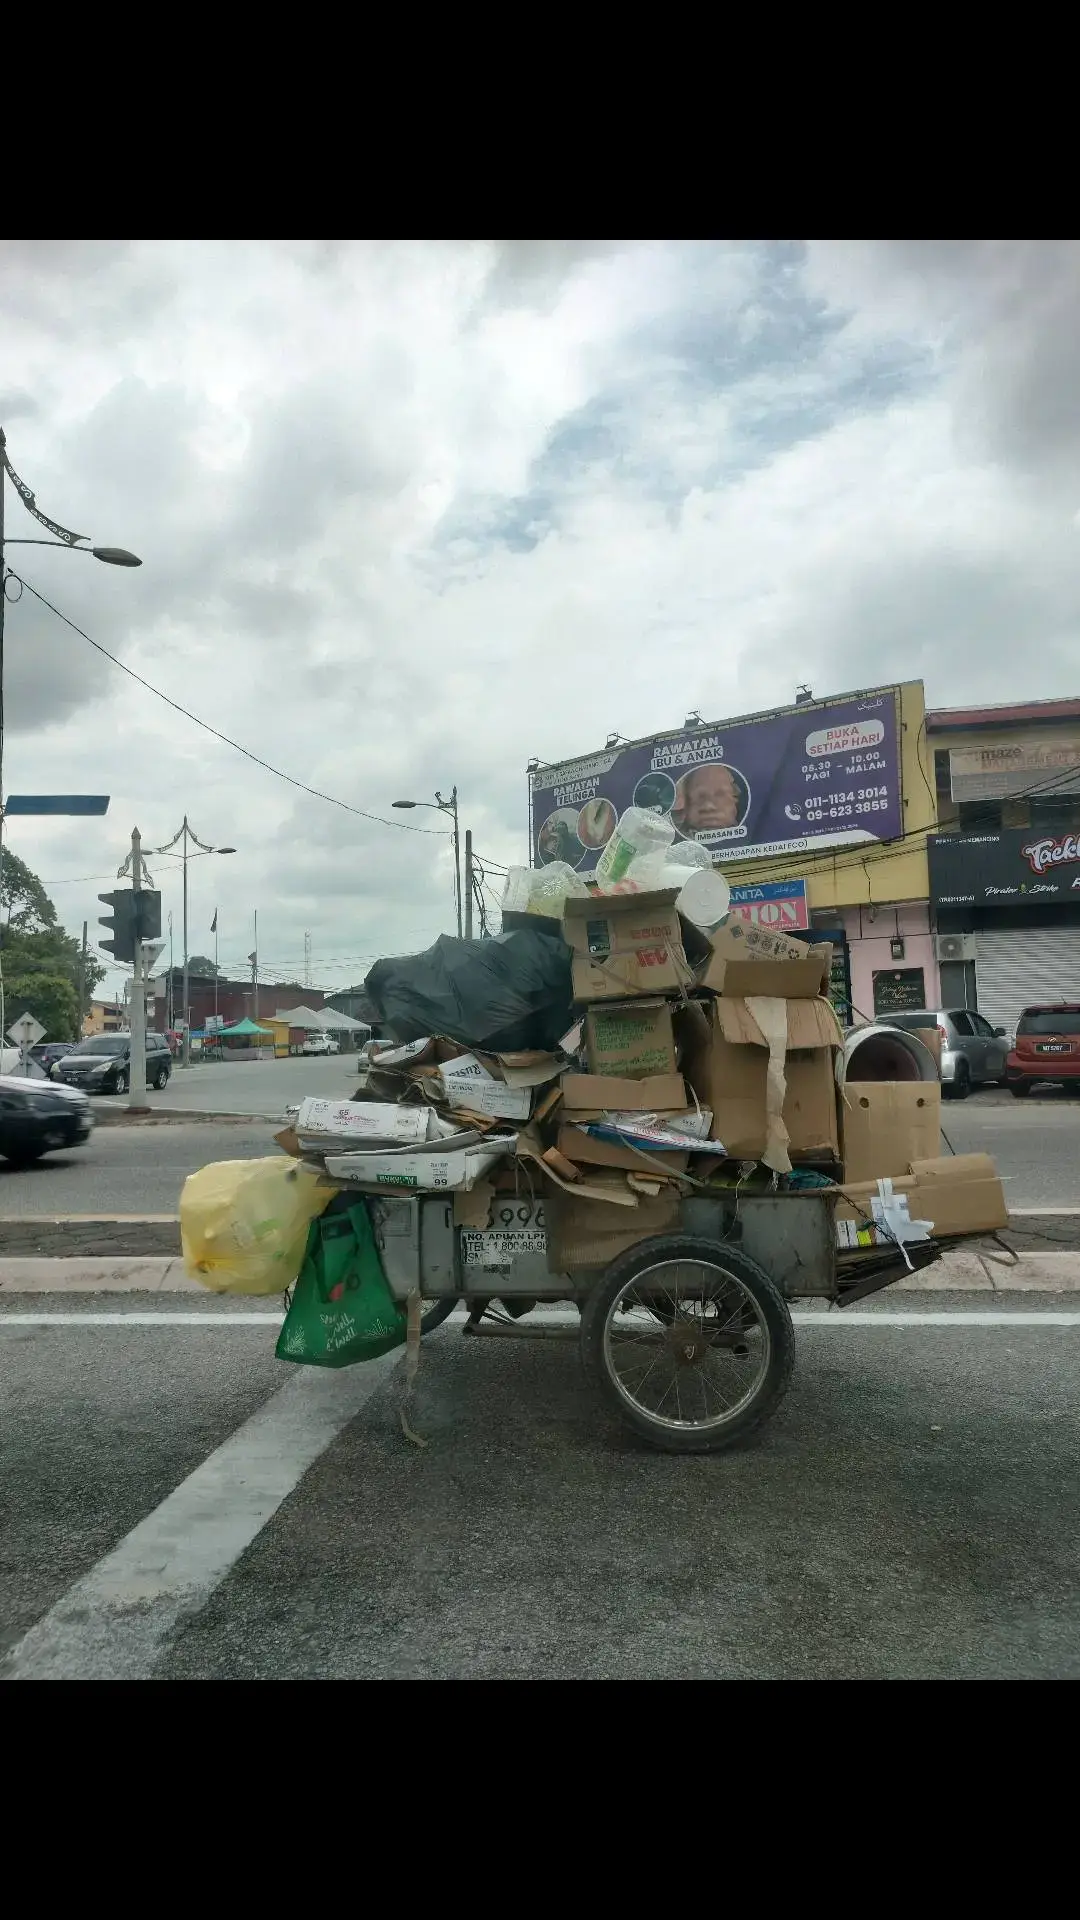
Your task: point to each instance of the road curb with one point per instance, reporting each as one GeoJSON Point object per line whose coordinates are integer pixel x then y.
{"type": "Point", "coordinates": [958, 1272]}
{"type": "Point", "coordinates": [179, 1116]}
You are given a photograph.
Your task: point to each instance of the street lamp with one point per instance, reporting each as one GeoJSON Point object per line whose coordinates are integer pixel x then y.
{"type": "Point", "coordinates": [76, 543]}
{"type": "Point", "coordinates": [185, 833]}
{"type": "Point", "coordinates": [439, 805]}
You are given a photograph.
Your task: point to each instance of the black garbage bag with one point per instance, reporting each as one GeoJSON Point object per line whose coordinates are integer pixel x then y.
{"type": "Point", "coordinates": [500, 995]}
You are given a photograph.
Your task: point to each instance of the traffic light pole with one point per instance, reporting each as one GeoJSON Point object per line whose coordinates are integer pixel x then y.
{"type": "Point", "coordinates": [137, 1082]}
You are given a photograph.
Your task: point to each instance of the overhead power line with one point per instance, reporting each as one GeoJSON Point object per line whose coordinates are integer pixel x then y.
{"type": "Point", "coordinates": [404, 826]}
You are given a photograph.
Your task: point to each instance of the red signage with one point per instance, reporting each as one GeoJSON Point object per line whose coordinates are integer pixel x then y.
{"type": "Point", "coordinates": [1053, 850]}
{"type": "Point", "coordinates": [779, 904]}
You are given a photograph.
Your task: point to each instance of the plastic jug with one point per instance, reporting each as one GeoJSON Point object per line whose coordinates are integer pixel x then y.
{"type": "Point", "coordinates": [637, 834]}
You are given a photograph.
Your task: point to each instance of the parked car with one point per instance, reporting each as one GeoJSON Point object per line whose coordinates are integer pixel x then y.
{"type": "Point", "coordinates": [36, 1118]}
{"type": "Point", "coordinates": [102, 1064]}
{"type": "Point", "coordinates": [973, 1053]}
{"type": "Point", "coordinates": [320, 1043]}
{"type": "Point", "coordinates": [48, 1052]}
{"type": "Point", "coordinates": [1047, 1048]}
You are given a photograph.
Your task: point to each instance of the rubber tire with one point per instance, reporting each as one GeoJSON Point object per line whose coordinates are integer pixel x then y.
{"type": "Point", "coordinates": [120, 1084]}
{"type": "Point", "coordinates": [27, 1156]}
{"type": "Point", "coordinates": [162, 1080]}
{"type": "Point", "coordinates": [774, 1309]}
{"type": "Point", "coordinates": [1019, 1088]}
{"type": "Point", "coordinates": [961, 1086]}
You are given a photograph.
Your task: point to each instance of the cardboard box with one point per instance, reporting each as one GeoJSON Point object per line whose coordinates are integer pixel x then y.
{"type": "Point", "coordinates": [583, 1233]}
{"type": "Point", "coordinates": [580, 1146]}
{"type": "Point", "coordinates": [959, 1194]}
{"type": "Point", "coordinates": [443, 1172]}
{"type": "Point", "coordinates": [764, 1109]}
{"type": "Point", "coordinates": [367, 1121]}
{"type": "Point", "coordinates": [630, 1039]}
{"type": "Point", "coordinates": [469, 1086]}
{"type": "Point", "coordinates": [745, 959]}
{"type": "Point", "coordinates": [886, 1124]}
{"type": "Point", "coordinates": [626, 943]}
{"type": "Point", "coordinates": [603, 1093]}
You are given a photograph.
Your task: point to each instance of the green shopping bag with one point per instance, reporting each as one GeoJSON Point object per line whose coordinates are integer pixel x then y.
{"type": "Point", "coordinates": [342, 1309]}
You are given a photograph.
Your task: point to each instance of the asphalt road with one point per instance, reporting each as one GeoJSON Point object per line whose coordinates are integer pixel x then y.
{"type": "Point", "coordinates": [1036, 1144]}
{"type": "Point", "coordinates": [910, 1511]}
{"type": "Point", "coordinates": [252, 1086]}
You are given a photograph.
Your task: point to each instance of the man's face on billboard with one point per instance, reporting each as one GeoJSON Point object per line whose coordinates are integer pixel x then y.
{"type": "Point", "coordinates": [711, 799]}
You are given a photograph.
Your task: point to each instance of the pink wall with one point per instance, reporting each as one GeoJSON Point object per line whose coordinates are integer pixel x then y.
{"type": "Point", "coordinates": [868, 944]}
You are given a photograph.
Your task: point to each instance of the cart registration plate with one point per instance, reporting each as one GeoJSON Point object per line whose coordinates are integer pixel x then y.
{"type": "Point", "coordinates": [495, 1248]}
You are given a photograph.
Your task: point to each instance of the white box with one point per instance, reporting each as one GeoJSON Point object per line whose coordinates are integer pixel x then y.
{"type": "Point", "coordinates": [468, 1084]}
{"type": "Point", "coordinates": [367, 1120]}
{"type": "Point", "coordinates": [444, 1172]}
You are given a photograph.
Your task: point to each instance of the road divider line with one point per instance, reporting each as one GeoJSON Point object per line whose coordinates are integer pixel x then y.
{"type": "Point", "coordinates": [113, 1623]}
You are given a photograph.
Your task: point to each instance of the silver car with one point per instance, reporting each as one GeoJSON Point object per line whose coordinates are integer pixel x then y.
{"type": "Point", "coordinates": [973, 1053]}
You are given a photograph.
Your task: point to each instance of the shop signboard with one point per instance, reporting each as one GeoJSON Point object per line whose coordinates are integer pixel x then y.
{"type": "Point", "coordinates": [780, 904]}
{"type": "Point", "coordinates": [899, 990]}
{"type": "Point", "coordinates": [822, 774]}
{"type": "Point", "coordinates": [1014, 767]}
{"type": "Point", "coordinates": [1016, 867]}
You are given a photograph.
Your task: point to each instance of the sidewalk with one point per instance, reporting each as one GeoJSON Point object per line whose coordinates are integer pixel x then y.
{"type": "Point", "coordinates": [959, 1272]}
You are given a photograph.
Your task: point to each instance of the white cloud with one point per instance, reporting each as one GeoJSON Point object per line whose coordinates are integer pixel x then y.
{"type": "Point", "coordinates": [413, 512]}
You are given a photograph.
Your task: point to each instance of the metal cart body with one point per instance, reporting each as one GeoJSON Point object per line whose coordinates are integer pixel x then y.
{"type": "Point", "coordinates": [703, 1308]}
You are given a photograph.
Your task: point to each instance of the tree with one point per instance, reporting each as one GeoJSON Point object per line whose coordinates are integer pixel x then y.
{"type": "Point", "coordinates": [41, 962]}
{"type": "Point", "coordinates": [200, 968]}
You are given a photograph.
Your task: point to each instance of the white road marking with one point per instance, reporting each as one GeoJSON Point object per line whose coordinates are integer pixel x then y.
{"type": "Point", "coordinates": [111, 1625]}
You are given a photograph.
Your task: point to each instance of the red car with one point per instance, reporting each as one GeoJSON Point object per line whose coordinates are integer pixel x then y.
{"type": "Point", "coordinates": [1047, 1048]}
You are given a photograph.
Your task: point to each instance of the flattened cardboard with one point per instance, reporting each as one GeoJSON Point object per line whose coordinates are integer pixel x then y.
{"type": "Point", "coordinates": [580, 1146]}
{"type": "Point", "coordinates": [751, 960]}
{"type": "Point", "coordinates": [582, 1234]}
{"type": "Point", "coordinates": [886, 1124]}
{"type": "Point", "coordinates": [599, 1093]}
{"type": "Point", "coordinates": [630, 1039]}
{"type": "Point", "coordinates": [725, 1061]}
{"type": "Point", "coordinates": [958, 1193]}
{"type": "Point", "coordinates": [626, 943]}
{"type": "Point", "coordinates": [469, 1086]}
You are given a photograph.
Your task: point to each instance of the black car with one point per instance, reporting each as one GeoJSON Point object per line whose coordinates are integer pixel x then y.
{"type": "Point", "coordinates": [48, 1052]}
{"type": "Point", "coordinates": [36, 1118]}
{"type": "Point", "coordinates": [103, 1063]}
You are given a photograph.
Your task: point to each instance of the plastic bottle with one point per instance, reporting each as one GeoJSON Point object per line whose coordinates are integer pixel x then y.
{"type": "Point", "coordinates": [638, 833]}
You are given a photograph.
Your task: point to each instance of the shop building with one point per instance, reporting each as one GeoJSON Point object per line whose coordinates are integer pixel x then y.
{"type": "Point", "coordinates": [1004, 866]}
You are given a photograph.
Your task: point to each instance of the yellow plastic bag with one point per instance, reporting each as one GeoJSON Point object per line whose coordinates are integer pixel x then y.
{"type": "Point", "coordinates": [244, 1223]}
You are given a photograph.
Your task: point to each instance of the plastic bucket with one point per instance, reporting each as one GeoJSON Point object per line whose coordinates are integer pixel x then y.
{"type": "Point", "coordinates": [705, 898]}
{"type": "Point", "coordinates": [885, 1053]}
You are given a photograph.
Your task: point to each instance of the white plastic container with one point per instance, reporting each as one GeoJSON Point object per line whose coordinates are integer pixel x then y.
{"type": "Point", "coordinates": [637, 834]}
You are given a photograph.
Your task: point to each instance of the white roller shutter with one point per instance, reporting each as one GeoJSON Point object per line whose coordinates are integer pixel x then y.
{"type": "Point", "coordinates": [1016, 970]}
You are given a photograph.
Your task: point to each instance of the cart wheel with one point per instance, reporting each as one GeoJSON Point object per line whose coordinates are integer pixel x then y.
{"type": "Point", "coordinates": [435, 1312]}
{"type": "Point", "coordinates": [689, 1341]}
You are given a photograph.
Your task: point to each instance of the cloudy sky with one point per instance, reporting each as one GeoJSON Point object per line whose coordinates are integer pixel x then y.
{"type": "Point", "coordinates": [413, 512]}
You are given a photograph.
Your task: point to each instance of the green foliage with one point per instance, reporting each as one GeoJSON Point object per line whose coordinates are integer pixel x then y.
{"type": "Point", "coordinates": [41, 961]}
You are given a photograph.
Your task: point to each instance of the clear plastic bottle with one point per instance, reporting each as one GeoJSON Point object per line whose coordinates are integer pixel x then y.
{"type": "Point", "coordinates": [638, 833]}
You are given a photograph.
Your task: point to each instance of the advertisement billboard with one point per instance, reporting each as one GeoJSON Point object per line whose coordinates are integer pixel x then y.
{"type": "Point", "coordinates": [1017, 867]}
{"type": "Point", "coordinates": [825, 773]}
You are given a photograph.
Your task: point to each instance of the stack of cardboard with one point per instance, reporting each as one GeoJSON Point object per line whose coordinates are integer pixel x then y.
{"type": "Point", "coordinates": [692, 1062]}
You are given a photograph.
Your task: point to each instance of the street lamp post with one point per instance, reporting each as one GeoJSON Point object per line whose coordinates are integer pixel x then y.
{"type": "Point", "coordinates": [185, 832]}
{"type": "Point", "coordinates": [76, 543]}
{"type": "Point", "coordinates": [439, 805]}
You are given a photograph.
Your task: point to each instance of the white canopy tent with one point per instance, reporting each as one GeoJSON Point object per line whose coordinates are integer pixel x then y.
{"type": "Point", "coordinates": [325, 1020]}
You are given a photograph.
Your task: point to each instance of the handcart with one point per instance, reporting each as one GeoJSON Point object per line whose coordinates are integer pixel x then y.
{"type": "Point", "coordinates": [687, 1335]}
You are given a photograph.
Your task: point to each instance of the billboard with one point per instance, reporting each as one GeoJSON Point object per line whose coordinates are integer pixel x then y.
{"type": "Point", "coordinates": [1017, 867]}
{"type": "Point", "coordinates": [826, 773]}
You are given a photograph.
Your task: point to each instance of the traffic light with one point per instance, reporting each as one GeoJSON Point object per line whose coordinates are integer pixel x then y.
{"type": "Point", "coordinates": [134, 916]}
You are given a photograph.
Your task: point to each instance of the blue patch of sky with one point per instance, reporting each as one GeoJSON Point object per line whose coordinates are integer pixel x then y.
{"type": "Point", "coordinates": [758, 377]}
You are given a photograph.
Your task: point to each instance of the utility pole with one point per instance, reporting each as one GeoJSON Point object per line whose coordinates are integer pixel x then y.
{"type": "Point", "coordinates": [137, 1082]}
{"type": "Point", "coordinates": [82, 981]}
{"type": "Point", "coordinates": [468, 884]}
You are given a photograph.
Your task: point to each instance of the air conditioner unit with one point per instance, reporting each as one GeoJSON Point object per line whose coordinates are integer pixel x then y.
{"type": "Point", "coordinates": [955, 946]}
